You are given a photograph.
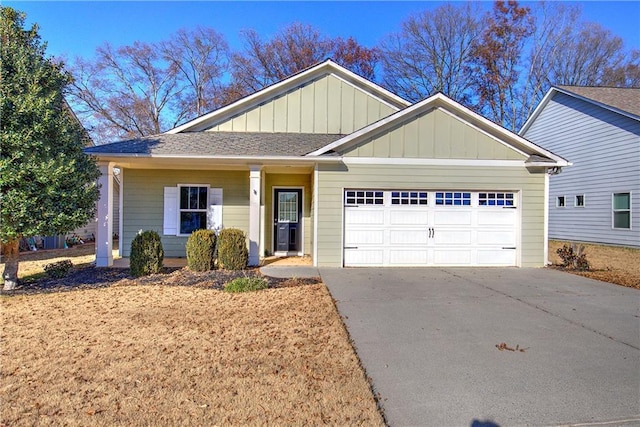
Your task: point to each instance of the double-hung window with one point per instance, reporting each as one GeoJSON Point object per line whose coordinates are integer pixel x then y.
{"type": "Point", "coordinates": [621, 210]}
{"type": "Point", "coordinates": [193, 208]}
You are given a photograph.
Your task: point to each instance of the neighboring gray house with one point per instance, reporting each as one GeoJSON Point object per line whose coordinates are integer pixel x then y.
{"type": "Point", "coordinates": [598, 130]}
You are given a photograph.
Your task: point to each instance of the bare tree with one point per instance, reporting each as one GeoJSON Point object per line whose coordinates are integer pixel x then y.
{"type": "Point", "coordinates": [294, 48]}
{"type": "Point", "coordinates": [431, 53]}
{"type": "Point", "coordinates": [588, 55]}
{"type": "Point", "coordinates": [125, 92]}
{"type": "Point", "coordinates": [200, 57]}
{"type": "Point", "coordinates": [497, 65]}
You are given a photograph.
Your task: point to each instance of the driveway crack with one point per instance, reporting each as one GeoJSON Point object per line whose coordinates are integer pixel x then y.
{"type": "Point", "coordinates": [544, 310]}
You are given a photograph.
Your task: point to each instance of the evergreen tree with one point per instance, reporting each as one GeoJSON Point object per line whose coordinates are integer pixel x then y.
{"type": "Point", "coordinates": [47, 184]}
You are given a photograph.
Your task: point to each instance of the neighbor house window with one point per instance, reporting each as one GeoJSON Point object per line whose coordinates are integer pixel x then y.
{"type": "Point", "coordinates": [621, 210]}
{"type": "Point", "coordinates": [193, 208]}
{"type": "Point", "coordinates": [560, 202]}
{"type": "Point", "coordinates": [579, 201]}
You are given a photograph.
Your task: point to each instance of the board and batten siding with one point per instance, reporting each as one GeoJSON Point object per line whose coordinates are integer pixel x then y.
{"type": "Point", "coordinates": [327, 105]}
{"type": "Point", "coordinates": [288, 181]}
{"type": "Point", "coordinates": [604, 148]}
{"type": "Point", "coordinates": [333, 179]}
{"type": "Point", "coordinates": [434, 135]}
{"type": "Point", "coordinates": [143, 202]}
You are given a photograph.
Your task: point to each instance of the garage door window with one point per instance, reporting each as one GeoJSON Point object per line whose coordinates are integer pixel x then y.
{"type": "Point", "coordinates": [409, 198]}
{"type": "Point", "coordinates": [453, 199]}
{"type": "Point", "coordinates": [495, 199]}
{"type": "Point", "coordinates": [353, 197]}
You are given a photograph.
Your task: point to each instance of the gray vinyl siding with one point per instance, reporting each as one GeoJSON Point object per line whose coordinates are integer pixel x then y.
{"type": "Point", "coordinates": [434, 135]}
{"type": "Point", "coordinates": [334, 179]}
{"type": "Point", "coordinates": [326, 105]}
{"type": "Point", "coordinates": [143, 201]}
{"type": "Point", "coordinates": [604, 148]}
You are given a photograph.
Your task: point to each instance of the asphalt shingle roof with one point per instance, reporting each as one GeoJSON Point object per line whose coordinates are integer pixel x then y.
{"type": "Point", "coordinates": [625, 99]}
{"type": "Point", "coordinates": [220, 144]}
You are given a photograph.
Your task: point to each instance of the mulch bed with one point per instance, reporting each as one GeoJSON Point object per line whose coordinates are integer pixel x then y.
{"type": "Point", "coordinates": [92, 277]}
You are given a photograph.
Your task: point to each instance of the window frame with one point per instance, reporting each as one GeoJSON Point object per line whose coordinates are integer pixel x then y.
{"type": "Point", "coordinates": [564, 201]}
{"type": "Point", "coordinates": [179, 209]}
{"type": "Point", "coordinates": [614, 210]}
{"type": "Point", "coordinates": [575, 201]}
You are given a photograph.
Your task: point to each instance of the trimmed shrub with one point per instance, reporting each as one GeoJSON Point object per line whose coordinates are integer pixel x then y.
{"type": "Point", "coordinates": [146, 254]}
{"type": "Point", "coordinates": [201, 250]}
{"type": "Point", "coordinates": [57, 270]}
{"type": "Point", "coordinates": [573, 256]}
{"type": "Point", "coordinates": [232, 249]}
{"type": "Point", "coordinates": [246, 284]}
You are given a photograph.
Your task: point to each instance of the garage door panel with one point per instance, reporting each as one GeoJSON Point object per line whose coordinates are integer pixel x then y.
{"type": "Point", "coordinates": [408, 257]}
{"type": "Point", "coordinates": [499, 217]}
{"type": "Point", "coordinates": [386, 231]}
{"type": "Point", "coordinates": [496, 257]}
{"type": "Point", "coordinates": [364, 237]}
{"type": "Point", "coordinates": [451, 217]}
{"type": "Point", "coordinates": [493, 237]}
{"type": "Point", "coordinates": [409, 217]}
{"type": "Point", "coordinates": [363, 216]}
{"type": "Point", "coordinates": [452, 237]}
{"type": "Point", "coordinates": [408, 237]}
{"type": "Point", "coordinates": [457, 256]}
{"type": "Point", "coordinates": [363, 257]}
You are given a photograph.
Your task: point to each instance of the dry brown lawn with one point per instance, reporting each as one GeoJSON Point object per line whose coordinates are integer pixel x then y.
{"type": "Point", "coordinates": [171, 355]}
{"type": "Point", "coordinates": [607, 263]}
{"type": "Point", "coordinates": [33, 263]}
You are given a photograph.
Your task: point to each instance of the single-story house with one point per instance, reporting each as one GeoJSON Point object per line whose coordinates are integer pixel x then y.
{"type": "Point", "coordinates": [328, 164]}
{"type": "Point", "coordinates": [598, 128]}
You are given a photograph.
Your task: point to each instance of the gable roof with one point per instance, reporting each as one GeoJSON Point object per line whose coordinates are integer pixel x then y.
{"type": "Point", "coordinates": [625, 101]}
{"type": "Point", "coordinates": [538, 156]}
{"type": "Point", "coordinates": [215, 144]}
{"type": "Point", "coordinates": [297, 80]}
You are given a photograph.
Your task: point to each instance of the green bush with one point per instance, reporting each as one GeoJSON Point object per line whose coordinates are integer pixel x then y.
{"type": "Point", "coordinates": [232, 249]}
{"type": "Point", "coordinates": [246, 284]}
{"type": "Point", "coordinates": [201, 248]}
{"type": "Point", "coordinates": [57, 270]}
{"type": "Point", "coordinates": [146, 254]}
{"type": "Point", "coordinates": [573, 256]}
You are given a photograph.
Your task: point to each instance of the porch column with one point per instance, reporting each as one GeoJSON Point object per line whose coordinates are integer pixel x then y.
{"type": "Point", "coordinates": [255, 188]}
{"type": "Point", "coordinates": [104, 228]}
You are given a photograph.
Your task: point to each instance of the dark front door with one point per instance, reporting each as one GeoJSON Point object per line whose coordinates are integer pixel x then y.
{"type": "Point", "coordinates": [287, 219]}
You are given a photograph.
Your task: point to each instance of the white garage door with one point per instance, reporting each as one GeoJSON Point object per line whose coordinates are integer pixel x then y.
{"type": "Point", "coordinates": [423, 228]}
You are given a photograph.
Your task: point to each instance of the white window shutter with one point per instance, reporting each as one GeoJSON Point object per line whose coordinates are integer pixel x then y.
{"type": "Point", "coordinates": [214, 213]}
{"type": "Point", "coordinates": [170, 211]}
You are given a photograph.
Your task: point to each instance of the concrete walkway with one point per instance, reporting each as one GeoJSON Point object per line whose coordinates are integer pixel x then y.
{"type": "Point", "coordinates": [287, 271]}
{"type": "Point", "coordinates": [430, 339]}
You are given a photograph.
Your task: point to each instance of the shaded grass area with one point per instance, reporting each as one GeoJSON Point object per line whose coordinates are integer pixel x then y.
{"type": "Point", "coordinates": [148, 355]}
{"type": "Point", "coordinates": [613, 264]}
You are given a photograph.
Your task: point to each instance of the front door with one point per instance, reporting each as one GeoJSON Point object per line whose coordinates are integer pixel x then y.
{"type": "Point", "coordinates": [287, 220]}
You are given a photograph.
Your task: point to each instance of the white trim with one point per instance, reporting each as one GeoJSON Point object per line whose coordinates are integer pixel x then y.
{"type": "Point", "coordinates": [404, 161]}
{"type": "Point", "coordinates": [324, 68]}
{"type": "Point", "coordinates": [630, 210]}
{"type": "Point", "coordinates": [178, 210]}
{"type": "Point", "coordinates": [564, 201]}
{"type": "Point", "coordinates": [255, 185]}
{"type": "Point", "coordinates": [120, 211]}
{"type": "Point", "coordinates": [537, 111]}
{"type": "Point", "coordinates": [104, 213]}
{"type": "Point", "coordinates": [575, 201]}
{"type": "Point", "coordinates": [263, 179]}
{"type": "Point", "coordinates": [253, 159]}
{"type": "Point", "coordinates": [273, 216]}
{"type": "Point", "coordinates": [316, 186]}
{"type": "Point", "coordinates": [546, 219]}
{"type": "Point", "coordinates": [440, 100]}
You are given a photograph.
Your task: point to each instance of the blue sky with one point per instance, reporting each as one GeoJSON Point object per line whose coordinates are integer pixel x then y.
{"type": "Point", "coordinates": [75, 28]}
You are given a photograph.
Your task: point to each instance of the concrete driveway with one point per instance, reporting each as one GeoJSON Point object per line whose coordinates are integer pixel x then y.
{"type": "Point", "coordinates": [427, 337]}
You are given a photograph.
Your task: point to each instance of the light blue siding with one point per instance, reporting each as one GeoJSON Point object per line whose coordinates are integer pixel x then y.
{"type": "Point", "coordinates": [604, 148]}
